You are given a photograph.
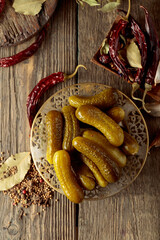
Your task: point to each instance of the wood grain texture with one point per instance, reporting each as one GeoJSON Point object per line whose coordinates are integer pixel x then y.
{"type": "Point", "coordinates": [16, 28]}
{"type": "Point", "coordinates": [134, 214]}
{"type": "Point", "coordinates": [57, 222]}
{"type": "Point", "coordinates": [57, 53]}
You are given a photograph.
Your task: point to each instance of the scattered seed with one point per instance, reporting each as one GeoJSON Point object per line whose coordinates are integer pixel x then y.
{"type": "Point", "coordinates": [32, 190]}
{"type": "Point", "coordinates": [41, 180]}
{"type": "Point", "coordinates": [24, 191]}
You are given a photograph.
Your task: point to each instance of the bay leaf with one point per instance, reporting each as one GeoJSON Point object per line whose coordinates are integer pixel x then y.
{"type": "Point", "coordinates": [79, 2]}
{"type": "Point", "coordinates": [92, 3]}
{"type": "Point", "coordinates": [133, 55]}
{"type": "Point", "coordinates": [22, 162]}
{"type": "Point", "coordinates": [108, 7]}
{"type": "Point", "coordinates": [29, 7]}
{"type": "Point", "coordinates": [104, 47]}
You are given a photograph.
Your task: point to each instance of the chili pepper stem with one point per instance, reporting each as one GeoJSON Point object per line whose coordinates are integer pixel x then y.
{"type": "Point", "coordinates": [74, 73]}
{"type": "Point", "coordinates": [148, 88]}
{"type": "Point", "coordinates": [135, 87]}
{"type": "Point", "coordinates": [129, 9]}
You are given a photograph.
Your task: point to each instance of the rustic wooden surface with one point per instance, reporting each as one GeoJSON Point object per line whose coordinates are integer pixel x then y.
{"type": "Point", "coordinates": [16, 28]}
{"type": "Point", "coordinates": [134, 214]}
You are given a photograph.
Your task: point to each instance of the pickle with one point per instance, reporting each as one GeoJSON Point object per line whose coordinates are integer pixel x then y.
{"type": "Point", "coordinates": [113, 152]}
{"type": "Point", "coordinates": [116, 113]}
{"type": "Point", "coordinates": [102, 100]}
{"type": "Point", "coordinates": [85, 176]}
{"type": "Point", "coordinates": [66, 177]}
{"type": "Point", "coordinates": [54, 127]}
{"type": "Point", "coordinates": [97, 174]}
{"type": "Point", "coordinates": [97, 154]}
{"type": "Point", "coordinates": [87, 183]}
{"type": "Point", "coordinates": [71, 129]}
{"type": "Point", "coordinates": [95, 117]}
{"type": "Point", "coordinates": [130, 145]}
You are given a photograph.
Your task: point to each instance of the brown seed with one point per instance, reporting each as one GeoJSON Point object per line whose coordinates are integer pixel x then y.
{"type": "Point", "coordinates": [36, 192]}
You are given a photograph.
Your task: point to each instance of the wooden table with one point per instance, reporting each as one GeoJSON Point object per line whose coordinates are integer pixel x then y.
{"type": "Point", "coordinates": [74, 36]}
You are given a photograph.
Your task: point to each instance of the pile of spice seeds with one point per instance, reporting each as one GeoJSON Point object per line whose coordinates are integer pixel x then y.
{"type": "Point", "coordinates": [32, 190]}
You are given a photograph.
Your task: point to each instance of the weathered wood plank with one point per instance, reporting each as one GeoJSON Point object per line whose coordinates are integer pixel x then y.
{"type": "Point", "coordinates": [16, 28]}
{"type": "Point", "coordinates": [134, 213]}
{"type": "Point", "coordinates": [58, 53]}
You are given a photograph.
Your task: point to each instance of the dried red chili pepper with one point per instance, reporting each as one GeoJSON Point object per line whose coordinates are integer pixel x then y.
{"type": "Point", "coordinates": [41, 88]}
{"type": "Point", "coordinates": [114, 43]}
{"type": "Point", "coordinates": [142, 44]}
{"type": "Point", "coordinates": [104, 59]}
{"type": "Point", "coordinates": [154, 54]}
{"type": "Point", "coordinates": [114, 36]}
{"type": "Point", "coordinates": [152, 47]}
{"type": "Point", "coordinates": [28, 52]}
{"type": "Point", "coordinates": [2, 4]}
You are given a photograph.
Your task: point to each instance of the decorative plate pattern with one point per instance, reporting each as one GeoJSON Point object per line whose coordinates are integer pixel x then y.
{"type": "Point", "coordinates": [134, 122]}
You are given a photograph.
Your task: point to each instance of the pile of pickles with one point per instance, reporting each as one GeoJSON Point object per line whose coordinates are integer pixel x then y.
{"type": "Point", "coordinates": [86, 144]}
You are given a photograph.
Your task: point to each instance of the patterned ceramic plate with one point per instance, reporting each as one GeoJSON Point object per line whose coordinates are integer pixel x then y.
{"type": "Point", "coordinates": [134, 121]}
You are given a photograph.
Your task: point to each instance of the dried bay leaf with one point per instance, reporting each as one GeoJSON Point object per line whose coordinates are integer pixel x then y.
{"type": "Point", "coordinates": [133, 55]}
{"type": "Point", "coordinates": [22, 162]}
{"type": "Point", "coordinates": [29, 7]}
{"type": "Point", "coordinates": [79, 2]}
{"type": "Point", "coordinates": [104, 47]}
{"type": "Point", "coordinates": [92, 3]}
{"type": "Point", "coordinates": [108, 7]}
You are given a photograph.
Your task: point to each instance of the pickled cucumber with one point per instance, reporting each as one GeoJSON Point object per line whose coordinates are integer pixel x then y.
{"type": "Point", "coordinates": [87, 183]}
{"type": "Point", "coordinates": [102, 100]}
{"type": "Point", "coordinates": [130, 145]}
{"type": "Point", "coordinates": [116, 113]}
{"type": "Point", "coordinates": [95, 117]}
{"type": "Point", "coordinates": [71, 129]}
{"type": "Point", "coordinates": [97, 154]}
{"type": "Point", "coordinates": [97, 174]}
{"type": "Point", "coordinates": [66, 177]}
{"type": "Point", "coordinates": [113, 152]}
{"type": "Point", "coordinates": [85, 176]}
{"type": "Point", "coordinates": [54, 128]}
